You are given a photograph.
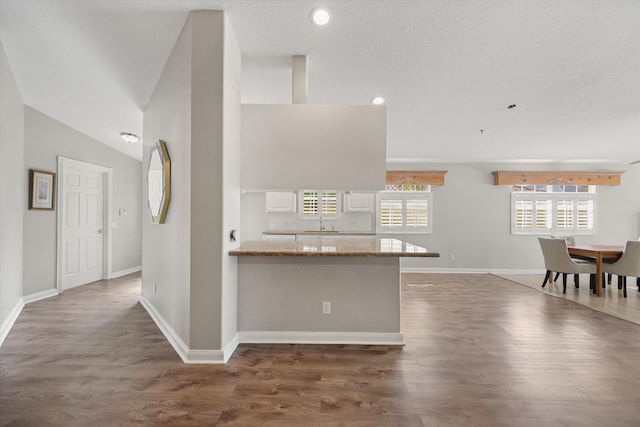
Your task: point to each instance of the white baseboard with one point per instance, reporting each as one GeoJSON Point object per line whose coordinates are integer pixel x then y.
{"type": "Point", "coordinates": [40, 295]}
{"type": "Point", "coordinates": [125, 272]}
{"type": "Point", "coordinates": [231, 347]}
{"type": "Point", "coordinates": [10, 320]}
{"type": "Point", "coordinates": [186, 354]}
{"type": "Point", "coordinates": [294, 337]}
{"type": "Point", "coordinates": [470, 270]}
{"type": "Point", "coordinates": [507, 272]}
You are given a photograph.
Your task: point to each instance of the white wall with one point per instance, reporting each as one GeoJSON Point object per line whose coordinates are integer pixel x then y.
{"type": "Point", "coordinates": [195, 108]}
{"type": "Point", "coordinates": [13, 178]}
{"type": "Point", "coordinates": [323, 147]}
{"type": "Point", "coordinates": [482, 239]}
{"type": "Point", "coordinates": [166, 247]}
{"type": "Point", "coordinates": [215, 176]}
{"type": "Point", "coordinates": [231, 167]}
{"type": "Point", "coordinates": [45, 139]}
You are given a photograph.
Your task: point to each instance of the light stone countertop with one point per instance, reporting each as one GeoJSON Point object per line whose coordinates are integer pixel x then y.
{"type": "Point", "coordinates": [323, 246]}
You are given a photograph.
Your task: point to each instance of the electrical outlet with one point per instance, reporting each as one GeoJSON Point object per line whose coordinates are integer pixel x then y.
{"type": "Point", "coordinates": [326, 307]}
{"type": "Point", "coordinates": [453, 257]}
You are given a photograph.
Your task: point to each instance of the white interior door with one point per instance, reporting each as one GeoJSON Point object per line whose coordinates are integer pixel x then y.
{"type": "Point", "coordinates": [82, 226]}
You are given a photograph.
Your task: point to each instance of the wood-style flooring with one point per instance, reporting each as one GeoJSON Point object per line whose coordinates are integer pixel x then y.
{"type": "Point", "coordinates": [481, 351]}
{"type": "Point", "coordinates": [611, 302]}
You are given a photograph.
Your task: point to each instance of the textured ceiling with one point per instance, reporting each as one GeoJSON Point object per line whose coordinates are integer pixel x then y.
{"type": "Point", "coordinates": [448, 69]}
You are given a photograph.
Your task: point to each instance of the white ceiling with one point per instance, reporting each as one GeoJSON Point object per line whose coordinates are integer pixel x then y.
{"type": "Point", "coordinates": [448, 69]}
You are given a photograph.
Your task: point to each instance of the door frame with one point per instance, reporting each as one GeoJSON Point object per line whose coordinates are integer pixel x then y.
{"type": "Point", "coordinates": [107, 193]}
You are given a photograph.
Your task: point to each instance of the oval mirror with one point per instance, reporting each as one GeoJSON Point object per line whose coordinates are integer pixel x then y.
{"type": "Point", "coordinates": [159, 182]}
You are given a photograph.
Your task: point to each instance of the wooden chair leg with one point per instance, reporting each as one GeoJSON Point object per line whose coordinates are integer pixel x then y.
{"type": "Point", "coordinates": [546, 278]}
{"type": "Point", "coordinates": [609, 278]}
{"type": "Point", "coordinates": [556, 278]}
{"type": "Point", "coordinates": [620, 282]}
{"type": "Point", "coordinates": [576, 280]}
{"type": "Point", "coordinates": [603, 279]}
{"type": "Point", "coordinates": [624, 286]}
{"type": "Point", "coordinates": [592, 282]}
{"type": "Point", "coordinates": [638, 283]}
{"type": "Point", "coordinates": [564, 283]}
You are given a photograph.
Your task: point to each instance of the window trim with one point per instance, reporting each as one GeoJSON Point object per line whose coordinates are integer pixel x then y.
{"type": "Point", "coordinates": [555, 198]}
{"type": "Point", "coordinates": [320, 214]}
{"type": "Point", "coordinates": [404, 196]}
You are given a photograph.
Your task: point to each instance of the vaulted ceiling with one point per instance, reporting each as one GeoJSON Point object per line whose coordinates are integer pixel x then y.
{"type": "Point", "coordinates": [448, 69]}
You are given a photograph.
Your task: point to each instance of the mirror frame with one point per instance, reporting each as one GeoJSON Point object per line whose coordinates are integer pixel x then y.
{"type": "Point", "coordinates": [161, 147]}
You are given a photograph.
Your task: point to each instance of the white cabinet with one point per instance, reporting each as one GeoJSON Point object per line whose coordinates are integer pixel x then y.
{"type": "Point", "coordinates": [279, 237]}
{"type": "Point", "coordinates": [358, 202]}
{"type": "Point", "coordinates": [281, 201]}
{"type": "Point", "coordinates": [307, 237]}
{"type": "Point", "coordinates": [332, 236]}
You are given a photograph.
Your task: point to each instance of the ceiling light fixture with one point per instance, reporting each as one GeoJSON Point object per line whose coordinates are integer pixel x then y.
{"type": "Point", "coordinates": [377, 100]}
{"type": "Point", "coordinates": [320, 16]}
{"type": "Point", "coordinates": [131, 138]}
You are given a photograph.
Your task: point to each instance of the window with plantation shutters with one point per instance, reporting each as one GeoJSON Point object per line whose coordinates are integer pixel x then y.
{"type": "Point", "coordinates": [320, 203]}
{"type": "Point", "coordinates": [416, 214]}
{"type": "Point", "coordinates": [401, 211]}
{"type": "Point", "coordinates": [553, 209]}
{"type": "Point", "coordinates": [564, 215]}
{"type": "Point", "coordinates": [523, 214]}
{"type": "Point", "coordinates": [310, 205]}
{"type": "Point", "coordinates": [329, 203]}
{"type": "Point", "coordinates": [584, 214]}
{"type": "Point", "coordinates": [391, 213]}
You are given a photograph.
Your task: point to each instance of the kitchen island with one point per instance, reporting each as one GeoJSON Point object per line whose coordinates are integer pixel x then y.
{"type": "Point", "coordinates": [326, 290]}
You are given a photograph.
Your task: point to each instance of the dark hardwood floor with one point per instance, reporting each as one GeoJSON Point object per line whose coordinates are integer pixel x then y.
{"type": "Point", "coordinates": [481, 351]}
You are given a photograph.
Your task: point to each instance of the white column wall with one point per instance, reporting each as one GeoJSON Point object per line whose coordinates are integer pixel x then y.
{"type": "Point", "coordinates": [195, 108]}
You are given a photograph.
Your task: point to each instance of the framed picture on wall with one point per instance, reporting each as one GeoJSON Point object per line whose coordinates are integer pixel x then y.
{"type": "Point", "coordinates": [42, 187]}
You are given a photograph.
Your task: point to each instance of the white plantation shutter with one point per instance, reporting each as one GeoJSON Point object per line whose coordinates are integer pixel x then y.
{"type": "Point", "coordinates": [391, 214]}
{"type": "Point", "coordinates": [329, 203]}
{"type": "Point", "coordinates": [544, 214]}
{"type": "Point", "coordinates": [523, 214]}
{"type": "Point", "coordinates": [404, 212]}
{"type": "Point", "coordinates": [564, 215]}
{"type": "Point", "coordinates": [584, 214]}
{"type": "Point", "coordinates": [310, 203]}
{"type": "Point", "coordinates": [317, 203]}
{"type": "Point", "coordinates": [416, 214]}
{"type": "Point", "coordinates": [552, 213]}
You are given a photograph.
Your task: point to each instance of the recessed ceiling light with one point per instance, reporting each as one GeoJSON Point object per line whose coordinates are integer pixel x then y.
{"type": "Point", "coordinates": [377, 100]}
{"type": "Point", "coordinates": [320, 16]}
{"type": "Point", "coordinates": [131, 138]}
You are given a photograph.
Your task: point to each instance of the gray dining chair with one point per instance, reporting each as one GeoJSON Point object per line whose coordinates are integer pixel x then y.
{"type": "Point", "coordinates": [571, 240]}
{"type": "Point", "coordinates": [556, 258]}
{"type": "Point", "coordinates": [627, 265]}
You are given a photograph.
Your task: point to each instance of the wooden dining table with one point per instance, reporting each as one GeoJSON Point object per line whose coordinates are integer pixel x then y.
{"type": "Point", "coordinates": [598, 253]}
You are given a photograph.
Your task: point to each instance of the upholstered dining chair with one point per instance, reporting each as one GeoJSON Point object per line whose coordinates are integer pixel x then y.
{"type": "Point", "coordinates": [556, 258]}
{"type": "Point", "coordinates": [627, 265]}
{"type": "Point", "coordinates": [571, 240]}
